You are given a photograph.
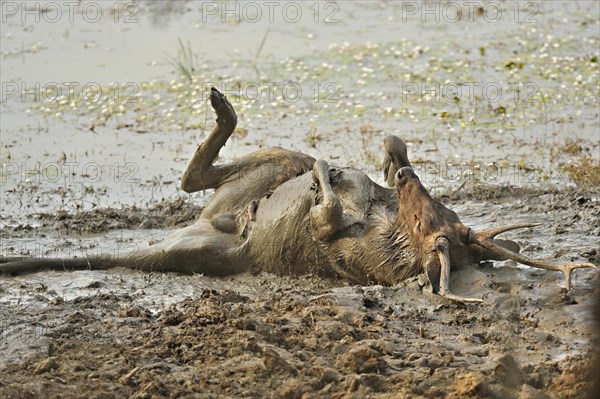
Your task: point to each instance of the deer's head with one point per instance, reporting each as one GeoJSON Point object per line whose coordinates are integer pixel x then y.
{"type": "Point", "coordinates": [443, 242]}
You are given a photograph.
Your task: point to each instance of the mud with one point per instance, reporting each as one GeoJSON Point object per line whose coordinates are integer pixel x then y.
{"type": "Point", "coordinates": [122, 333]}
{"type": "Point", "coordinates": [342, 342]}
{"type": "Point", "coordinates": [102, 176]}
{"type": "Point", "coordinates": [162, 215]}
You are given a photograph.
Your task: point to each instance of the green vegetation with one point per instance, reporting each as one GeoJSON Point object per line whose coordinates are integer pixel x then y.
{"type": "Point", "coordinates": [185, 61]}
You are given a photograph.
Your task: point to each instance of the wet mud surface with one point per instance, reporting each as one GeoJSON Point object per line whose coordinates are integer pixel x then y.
{"type": "Point", "coordinates": [302, 340]}
{"type": "Point", "coordinates": [122, 333]}
{"type": "Point", "coordinates": [95, 177]}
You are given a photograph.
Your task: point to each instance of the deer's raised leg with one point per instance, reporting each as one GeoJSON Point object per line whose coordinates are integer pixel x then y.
{"type": "Point", "coordinates": [325, 216]}
{"type": "Point", "coordinates": [395, 158]}
{"type": "Point", "coordinates": [201, 174]}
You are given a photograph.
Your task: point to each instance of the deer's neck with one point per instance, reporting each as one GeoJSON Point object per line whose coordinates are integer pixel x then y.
{"type": "Point", "coordinates": [390, 255]}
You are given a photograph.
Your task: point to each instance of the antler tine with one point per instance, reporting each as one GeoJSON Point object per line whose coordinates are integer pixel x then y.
{"type": "Point", "coordinates": [493, 232]}
{"type": "Point", "coordinates": [443, 246]}
{"type": "Point", "coordinates": [564, 267]}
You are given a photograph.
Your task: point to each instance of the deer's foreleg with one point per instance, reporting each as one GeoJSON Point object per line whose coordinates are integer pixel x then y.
{"type": "Point", "coordinates": [395, 158]}
{"type": "Point", "coordinates": [326, 216]}
{"type": "Point", "coordinates": [201, 174]}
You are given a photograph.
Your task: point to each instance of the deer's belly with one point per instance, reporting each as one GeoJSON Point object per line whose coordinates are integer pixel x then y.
{"type": "Point", "coordinates": [280, 240]}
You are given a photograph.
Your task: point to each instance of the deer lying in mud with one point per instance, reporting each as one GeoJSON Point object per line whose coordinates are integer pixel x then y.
{"type": "Point", "coordinates": [284, 212]}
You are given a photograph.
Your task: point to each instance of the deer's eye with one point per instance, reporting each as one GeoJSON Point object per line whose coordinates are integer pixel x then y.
{"type": "Point", "coordinates": [417, 224]}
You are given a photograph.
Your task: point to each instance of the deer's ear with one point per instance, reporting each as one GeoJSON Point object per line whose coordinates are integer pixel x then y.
{"type": "Point", "coordinates": [465, 233]}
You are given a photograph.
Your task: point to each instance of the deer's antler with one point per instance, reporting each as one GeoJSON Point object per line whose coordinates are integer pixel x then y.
{"type": "Point", "coordinates": [443, 249]}
{"type": "Point", "coordinates": [485, 239]}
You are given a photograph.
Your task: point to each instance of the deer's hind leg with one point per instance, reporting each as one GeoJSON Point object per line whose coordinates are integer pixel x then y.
{"type": "Point", "coordinates": [326, 216]}
{"type": "Point", "coordinates": [201, 174]}
{"type": "Point", "coordinates": [395, 158]}
{"type": "Point", "coordinates": [326, 219]}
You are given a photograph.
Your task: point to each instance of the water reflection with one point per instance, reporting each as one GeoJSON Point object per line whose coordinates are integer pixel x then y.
{"type": "Point", "coordinates": [161, 13]}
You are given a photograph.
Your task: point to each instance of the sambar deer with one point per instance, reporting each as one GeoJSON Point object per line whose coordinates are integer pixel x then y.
{"type": "Point", "coordinates": [284, 212]}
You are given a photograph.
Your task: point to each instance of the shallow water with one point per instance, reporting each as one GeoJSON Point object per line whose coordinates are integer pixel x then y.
{"type": "Point", "coordinates": [378, 68]}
